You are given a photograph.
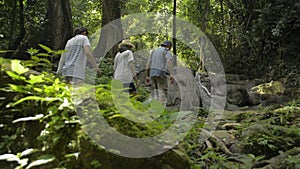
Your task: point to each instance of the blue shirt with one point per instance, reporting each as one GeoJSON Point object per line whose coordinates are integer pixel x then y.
{"type": "Point", "coordinates": [158, 59]}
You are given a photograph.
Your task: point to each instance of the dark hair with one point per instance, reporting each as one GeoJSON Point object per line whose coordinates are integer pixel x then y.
{"type": "Point", "coordinates": [167, 43]}
{"type": "Point", "coordinates": [80, 30]}
{"type": "Point", "coordinates": [123, 49]}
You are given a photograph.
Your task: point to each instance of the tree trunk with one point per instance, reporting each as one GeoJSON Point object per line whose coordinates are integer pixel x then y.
{"type": "Point", "coordinates": [249, 7]}
{"type": "Point", "coordinates": [205, 15]}
{"type": "Point", "coordinates": [174, 33]}
{"type": "Point", "coordinates": [111, 32]}
{"type": "Point", "coordinates": [222, 13]}
{"type": "Point", "coordinates": [203, 20]}
{"type": "Point", "coordinates": [12, 31]}
{"type": "Point", "coordinates": [22, 25]}
{"type": "Point", "coordinates": [14, 42]}
{"type": "Point", "coordinates": [60, 23]}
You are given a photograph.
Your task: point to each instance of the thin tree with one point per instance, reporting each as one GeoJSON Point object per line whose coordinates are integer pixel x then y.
{"type": "Point", "coordinates": [15, 40]}
{"type": "Point", "coordinates": [174, 33]}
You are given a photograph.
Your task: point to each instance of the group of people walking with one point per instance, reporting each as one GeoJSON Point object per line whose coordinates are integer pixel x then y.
{"type": "Point", "coordinates": [158, 68]}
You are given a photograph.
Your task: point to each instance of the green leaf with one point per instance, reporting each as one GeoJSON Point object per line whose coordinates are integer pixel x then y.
{"type": "Point", "coordinates": [43, 54]}
{"type": "Point", "coordinates": [180, 153]}
{"type": "Point", "coordinates": [38, 89]}
{"type": "Point", "coordinates": [8, 156]}
{"type": "Point", "coordinates": [32, 51]}
{"type": "Point", "coordinates": [15, 76]}
{"type": "Point", "coordinates": [35, 58]}
{"type": "Point", "coordinates": [59, 52]}
{"type": "Point", "coordinates": [36, 117]}
{"type": "Point", "coordinates": [17, 88]}
{"type": "Point", "coordinates": [116, 116]}
{"type": "Point", "coordinates": [23, 162]}
{"type": "Point", "coordinates": [45, 60]}
{"type": "Point", "coordinates": [12, 157]}
{"type": "Point", "coordinates": [17, 67]}
{"type": "Point", "coordinates": [47, 99]}
{"type": "Point", "coordinates": [173, 116]}
{"type": "Point", "coordinates": [28, 152]}
{"type": "Point", "coordinates": [6, 51]}
{"type": "Point", "coordinates": [72, 155]}
{"type": "Point", "coordinates": [29, 63]}
{"type": "Point", "coordinates": [258, 158]}
{"type": "Point", "coordinates": [35, 79]}
{"type": "Point", "coordinates": [45, 48]}
{"type": "Point", "coordinates": [56, 84]}
{"type": "Point", "coordinates": [66, 103]}
{"type": "Point", "coordinates": [41, 161]}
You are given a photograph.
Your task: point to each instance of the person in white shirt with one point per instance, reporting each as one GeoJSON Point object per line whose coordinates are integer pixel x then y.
{"type": "Point", "coordinates": [72, 63]}
{"type": "Point", "coordinates": [124, 69]}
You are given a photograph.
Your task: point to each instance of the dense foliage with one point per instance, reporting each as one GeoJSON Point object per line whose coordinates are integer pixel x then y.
{"type": "Point", "coordinates": [39, 118]}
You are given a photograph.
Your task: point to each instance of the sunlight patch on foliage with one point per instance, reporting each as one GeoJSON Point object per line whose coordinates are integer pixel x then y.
{"type": "Point", "coordinates": [17, 67]}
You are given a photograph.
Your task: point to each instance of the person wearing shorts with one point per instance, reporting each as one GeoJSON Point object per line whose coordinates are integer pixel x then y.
{"type": "Point", "coordinates": [158, 67]}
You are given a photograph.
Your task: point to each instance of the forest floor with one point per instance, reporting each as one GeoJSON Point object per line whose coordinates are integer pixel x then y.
{"type": "Point", "coordinates": [259, 137]}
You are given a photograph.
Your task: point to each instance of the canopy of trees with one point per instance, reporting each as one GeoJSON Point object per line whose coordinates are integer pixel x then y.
{"type": "Point", "coordinates": [261, 35]}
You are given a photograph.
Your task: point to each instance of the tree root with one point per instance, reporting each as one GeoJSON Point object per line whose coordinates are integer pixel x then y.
{"type": "Point", "coordinates": [215, 140]}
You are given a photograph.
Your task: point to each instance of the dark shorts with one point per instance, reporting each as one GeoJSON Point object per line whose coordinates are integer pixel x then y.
{"type": "Point", "coordinates": [159, 86]}
{"type": "Point", "coordinates": [159, 83]}
{"type": "Point", "coordinates": [130, 87]}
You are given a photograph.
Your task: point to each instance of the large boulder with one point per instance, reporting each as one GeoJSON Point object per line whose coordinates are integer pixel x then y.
{"type": "Point", "coordinates": [237, 95]}
{"type": "Point", "coordinates": [268, 93]}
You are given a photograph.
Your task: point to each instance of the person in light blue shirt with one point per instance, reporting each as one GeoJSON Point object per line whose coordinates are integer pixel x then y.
{"type": "Point", "coordinates": [158, 68]}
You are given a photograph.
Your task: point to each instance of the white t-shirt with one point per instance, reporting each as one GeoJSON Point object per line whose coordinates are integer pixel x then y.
{"type": "Point", "coordinates": [74, 59]}
{"type": "Point", "coordinates": [121, 66]}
